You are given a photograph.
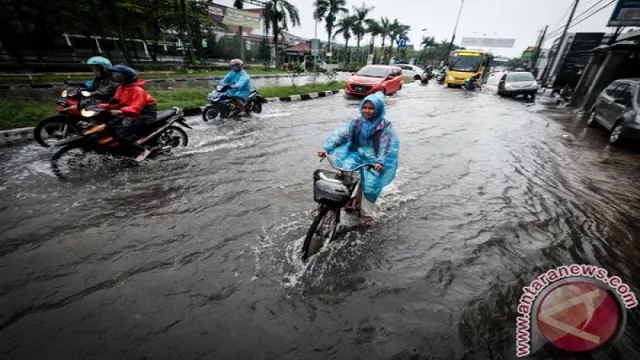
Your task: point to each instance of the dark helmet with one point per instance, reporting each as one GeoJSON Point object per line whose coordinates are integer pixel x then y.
{"type": "Point", "coordinates": [129, 74]}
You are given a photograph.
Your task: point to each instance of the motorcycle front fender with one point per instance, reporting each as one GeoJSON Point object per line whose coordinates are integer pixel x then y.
{"type": "Point", "coordinates": [183, 122]}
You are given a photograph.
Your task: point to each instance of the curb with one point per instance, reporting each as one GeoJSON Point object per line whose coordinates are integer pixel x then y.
{"type": "Point", "coordinates": [9, 137]}
{"type": "Point", "coordinates": [15, 136]}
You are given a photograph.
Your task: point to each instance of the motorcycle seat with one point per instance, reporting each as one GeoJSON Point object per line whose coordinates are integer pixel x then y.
{"type": "Point", "coordinates": [164, 115]}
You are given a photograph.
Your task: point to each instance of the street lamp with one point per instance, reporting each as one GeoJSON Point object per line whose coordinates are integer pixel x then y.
{"type": "Point", "coordinates": [424, 31]}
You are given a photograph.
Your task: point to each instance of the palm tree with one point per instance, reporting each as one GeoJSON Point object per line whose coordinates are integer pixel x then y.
{"type": "Point", "coordinates": [328, 10]}
{"type": "Point", "coordinates": [385, 31]}
{"type": "Point", "coordinates": [428, 41]}
{"type": "Point", "coordinates": [277, 15]}
{"type": "Point", "coordinates": [360, 15]}
{"type": "Point", "coordinates": [374, 29]}
{"type": "Point", "coordinates": [345, 27]}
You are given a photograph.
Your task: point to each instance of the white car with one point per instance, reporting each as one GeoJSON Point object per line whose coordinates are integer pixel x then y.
{"type": "Point", "coordinates": [411, 71]}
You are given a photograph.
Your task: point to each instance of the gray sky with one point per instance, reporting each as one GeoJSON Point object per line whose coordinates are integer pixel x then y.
{"type": "Point", "coordinates": [519, 19]}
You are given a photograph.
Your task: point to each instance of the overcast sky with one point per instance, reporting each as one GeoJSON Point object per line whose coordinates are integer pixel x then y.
{"type": "Point", "coordinates": [519, 19]}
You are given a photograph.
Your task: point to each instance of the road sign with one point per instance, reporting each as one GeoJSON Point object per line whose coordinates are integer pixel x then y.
{"type": "Point", "coordinates": [402, 43]}
{"type": "Point", "coordinates": [315, 47]}
{"type": "Point", "coordinates": [626, 13]}
{"type": "Point", "coordinates": [204, 43]}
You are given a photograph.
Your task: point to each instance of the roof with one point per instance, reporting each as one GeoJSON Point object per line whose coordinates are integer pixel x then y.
{"type": "Point", "coordinates": [300, 47]}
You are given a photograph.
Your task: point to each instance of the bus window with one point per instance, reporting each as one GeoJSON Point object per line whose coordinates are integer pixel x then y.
{"type": "Point", "coordinates": [467, 63]}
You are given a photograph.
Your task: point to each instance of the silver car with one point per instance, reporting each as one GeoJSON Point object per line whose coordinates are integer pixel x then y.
{"type": "Point", "coordinates": [617, 109]}
{"type": "Point", "coordinates": [518, 83]}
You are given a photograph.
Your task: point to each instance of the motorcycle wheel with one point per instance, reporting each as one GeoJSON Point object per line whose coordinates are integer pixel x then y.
{"type": "Point", "coordinates": [256, 107]}
{"type": "Point", "coordinates": [174, 137]}
{"type": "Point", "coordinates": [210, 113]}
{"type": "Point", "coordinates": [73, 161]}
{"type": "Point", "coordinates": [53, 129]}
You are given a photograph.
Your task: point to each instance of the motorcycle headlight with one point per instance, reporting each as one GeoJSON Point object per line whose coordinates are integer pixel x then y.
{"type": "Point", "coordinates": [88, 113]}
{"type": "Point", "coordinates": [64, 93]}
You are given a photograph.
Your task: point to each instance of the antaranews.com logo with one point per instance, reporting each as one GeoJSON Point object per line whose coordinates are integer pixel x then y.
{"type": "Point", "coordinates": [576, 308]}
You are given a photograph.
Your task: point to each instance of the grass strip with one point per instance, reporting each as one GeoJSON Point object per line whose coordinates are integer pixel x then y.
{"type": "Point", "coordinates": [18, 113]}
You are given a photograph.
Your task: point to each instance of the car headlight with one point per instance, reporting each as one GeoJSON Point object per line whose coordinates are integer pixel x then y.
{"type": "Point", "coordinates": [449, 77]}
{"type": "Point", "coordinates": [64, 93]}
{"type": "Point", "coordinates": [508, 86]}
{"type": "Point", "coordinates": [638, 117]}
{"type": "Point", "coordinates": [88, 113]}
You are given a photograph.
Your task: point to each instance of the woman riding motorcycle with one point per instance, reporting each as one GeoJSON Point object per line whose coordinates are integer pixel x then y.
{"type": "Point", "coordinates": [102, 86]}
{"type": "Point", "coordinates": [473, 82]}
{"type": "Point", "coordinates": [367, 139]}
{"type": "Point", "coordinates": [240, 84]}
{"type": "Point", "coordinates": [133, 107]}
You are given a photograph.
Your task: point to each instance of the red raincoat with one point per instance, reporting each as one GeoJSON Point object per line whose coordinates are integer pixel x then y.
{"type": "Point", "coordinates": [132, 99]}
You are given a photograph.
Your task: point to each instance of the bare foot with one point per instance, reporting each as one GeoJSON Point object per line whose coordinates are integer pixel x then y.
{"type": "Point", "coordinates": [366, 220]}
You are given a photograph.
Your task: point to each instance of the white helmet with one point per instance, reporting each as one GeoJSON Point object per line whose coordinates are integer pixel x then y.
{"type": "Point", "coordinates": [236, 64]}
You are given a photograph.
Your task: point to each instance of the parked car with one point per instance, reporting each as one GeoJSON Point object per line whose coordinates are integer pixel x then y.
{"type": "Point", "coordinates": [374, 78]}
{"type": "Point", "coordinates": [617, 108]}
{"type": "Point", "coordinates": [518, 83]}
{"type": "Point", "coordinates": [411, 71]}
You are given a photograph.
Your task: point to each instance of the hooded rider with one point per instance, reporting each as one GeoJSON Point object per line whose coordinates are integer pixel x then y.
{"type": "Point", "coordinates": [240, 84]}
{"type": "Point", "coordinates": [367, 139]}
{"type": "Point", "coordinates": [133, 108]}
{"type": "Point", "coordinates": [102, 86]}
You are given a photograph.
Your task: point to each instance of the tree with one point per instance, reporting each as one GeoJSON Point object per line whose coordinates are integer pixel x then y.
{"type": "Point", "coordinates": [360, 16]}
{"type": "Point", "coordinates": [277, 15]}
{"type": "Point", "coordinates": [385, 31]}
{"type": "Point", "coordinates": [345, 27]}
{"type": "Point", "coordinates": [374, 29]}
{"type": "Point", "coordinates": [328, 10]}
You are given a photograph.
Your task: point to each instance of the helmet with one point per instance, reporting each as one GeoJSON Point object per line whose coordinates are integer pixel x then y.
{"type": "Point", "coordinates": [129, 73]}
{"type": "Point", "coordinates": [236, 64]}
{"type": "Point", "coordinates": [99, 61]}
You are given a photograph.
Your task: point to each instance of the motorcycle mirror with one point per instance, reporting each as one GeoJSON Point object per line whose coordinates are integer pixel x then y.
{"type": "Point", "coordinates": [86, 93]}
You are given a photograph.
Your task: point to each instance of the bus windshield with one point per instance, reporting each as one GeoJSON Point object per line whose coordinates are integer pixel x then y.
{"type": "Point", "coordinates": [466, 62]}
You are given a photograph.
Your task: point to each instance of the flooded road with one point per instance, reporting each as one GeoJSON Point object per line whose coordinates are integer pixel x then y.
{"type": "Point", "coordinates": [196, 256]}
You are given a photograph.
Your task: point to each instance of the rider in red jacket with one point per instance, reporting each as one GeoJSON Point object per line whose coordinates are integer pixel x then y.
{"type": "Point", "coordinates": [134, 108]}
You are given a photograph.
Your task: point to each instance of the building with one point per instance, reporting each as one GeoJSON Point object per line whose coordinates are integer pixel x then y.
{"type": "Point", "coordinates": [607, 63]}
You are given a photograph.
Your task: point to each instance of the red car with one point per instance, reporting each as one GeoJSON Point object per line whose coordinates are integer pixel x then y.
{"type": "Point", "coordinates": [374, 78]}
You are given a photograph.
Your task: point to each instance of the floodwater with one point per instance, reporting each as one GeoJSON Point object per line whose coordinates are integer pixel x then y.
{"type": "Point", "coordinates": [196, 255]}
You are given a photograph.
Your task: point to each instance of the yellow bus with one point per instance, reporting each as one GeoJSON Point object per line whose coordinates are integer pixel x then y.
{"type": "Point", "coordinates": [466, 63]}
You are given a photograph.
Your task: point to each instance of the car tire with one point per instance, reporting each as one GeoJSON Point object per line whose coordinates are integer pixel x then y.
{"type": "Point", "coordinates": [591, 120]}
{"type": "Point", "coordinates": [615, 136]}
{"type": "Point", "coordinates": [384, 91]}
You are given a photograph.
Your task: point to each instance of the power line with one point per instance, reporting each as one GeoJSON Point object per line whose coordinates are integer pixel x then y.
{"type": "Point", "coordinates": [578, 20]}
{"type": "Point", "coordinates": [560, 28]}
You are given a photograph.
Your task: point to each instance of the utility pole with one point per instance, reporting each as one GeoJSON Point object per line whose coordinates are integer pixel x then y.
{"type": "Point", "coordinates": [558, 55]}
{"type": "Point", "coordinates": [536, 56]}
{"type": "Point", "coordinates": [453, 38]}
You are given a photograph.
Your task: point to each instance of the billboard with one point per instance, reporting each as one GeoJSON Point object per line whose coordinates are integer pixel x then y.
{"type": "Point", "coordinates": [229, 16]}
{"type": "Point", "coordinates": [529, 53]}
{"type": "Point", "coordinates": [626, 13]}
{"type": "Point", "coordinates": [488, 42]}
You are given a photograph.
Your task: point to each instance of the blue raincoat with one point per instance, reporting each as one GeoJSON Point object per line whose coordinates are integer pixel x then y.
{"type": "Point", "coordinates": [241, 80]}
{"type": "Point", "coordinates": [363, 141]}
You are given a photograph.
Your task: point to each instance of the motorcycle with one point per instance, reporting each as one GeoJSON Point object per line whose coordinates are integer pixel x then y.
{"type": "Point", "coordinates": [159, 137]}
{"type": "Point", "coordinates": [220, 104]}
{"type": "Point", "coordinates": [424, 77]}
{"type": "Point", "coordinates": [67, 121]}
{"type": "Point", "coordinates": [471, 84]}
{"type": "Point", "coordinates": [440, 77]}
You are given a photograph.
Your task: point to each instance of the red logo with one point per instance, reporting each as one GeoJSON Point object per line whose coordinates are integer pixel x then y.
{"type": "Point", "coordinates": [578, 316]}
